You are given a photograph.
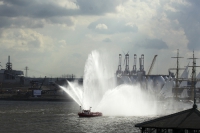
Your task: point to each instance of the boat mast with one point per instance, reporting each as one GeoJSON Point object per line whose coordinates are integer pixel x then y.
{"type": "Point", "coordinates": [193, 80]}
{"type": "Point", "coordinates": [177, 74]}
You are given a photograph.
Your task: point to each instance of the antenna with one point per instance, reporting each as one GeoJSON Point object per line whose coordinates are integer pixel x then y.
{"type": "Point", "coordinates": [9, 65]}
{"type": "Point", "coordinates": [26, 68]}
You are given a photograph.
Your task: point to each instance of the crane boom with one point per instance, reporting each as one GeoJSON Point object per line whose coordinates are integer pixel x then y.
{"type": "Point", "coordinates": [151, 67]}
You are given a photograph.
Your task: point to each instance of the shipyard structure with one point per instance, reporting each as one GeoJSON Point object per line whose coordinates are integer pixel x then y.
{"type": "Point", "coordinates": [10, 77]}
{"type": "Point", "coordinates": [134, 75]}
{"type": "Point", "coordinates": [177, 84]}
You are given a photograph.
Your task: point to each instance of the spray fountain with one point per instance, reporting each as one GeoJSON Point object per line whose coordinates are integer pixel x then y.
{"type": "Point", "coordinates": [100, 91]}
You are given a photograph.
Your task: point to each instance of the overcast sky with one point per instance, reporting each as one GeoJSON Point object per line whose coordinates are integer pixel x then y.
{"type": "Point", "coordinates": [54, 37]}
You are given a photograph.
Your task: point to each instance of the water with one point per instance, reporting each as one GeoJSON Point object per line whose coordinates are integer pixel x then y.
{"type": "Point", "coordinates": [52, 117]}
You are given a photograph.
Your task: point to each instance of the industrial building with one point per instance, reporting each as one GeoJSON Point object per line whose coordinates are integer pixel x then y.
{"type": "Point", "coordinates": [10, 77]}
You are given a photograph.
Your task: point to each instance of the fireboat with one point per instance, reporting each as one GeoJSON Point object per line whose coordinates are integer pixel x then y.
{"type": "Point", "coordinates": [88, 113]}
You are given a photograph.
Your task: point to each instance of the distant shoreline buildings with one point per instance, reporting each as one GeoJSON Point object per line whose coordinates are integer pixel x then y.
{"type": "Point", "coordinates": [10, 78]}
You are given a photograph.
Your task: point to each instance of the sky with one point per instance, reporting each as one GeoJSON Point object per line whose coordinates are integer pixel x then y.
{"type": "Point", "coordinates": [54, 37]}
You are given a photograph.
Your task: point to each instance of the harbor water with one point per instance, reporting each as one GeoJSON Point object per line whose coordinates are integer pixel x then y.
{"type": "Point", "coordinates": [57, 117]}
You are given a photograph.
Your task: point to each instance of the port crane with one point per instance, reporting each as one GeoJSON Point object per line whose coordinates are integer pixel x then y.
{"type": "Point", "coordinates": [126, 59]}
{"type": "Point", "coordinates": [150, 69]}
{"type": "Point", "coordinates": [134, 71]}
{"type": "Point", "coordinates": [152, 64]}
{"type": "Point", "coordinates": [119, 70]}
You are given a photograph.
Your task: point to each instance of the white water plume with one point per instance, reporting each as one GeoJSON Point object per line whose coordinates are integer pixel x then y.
{"type": "Point", "coordinates": [74, 92]}
{"type": "Point", "coordinates": [128, 100]}
{"type": "Point", "coordinates": [98, 78]}
{"type": "Point", "coordinates": [100, 91]}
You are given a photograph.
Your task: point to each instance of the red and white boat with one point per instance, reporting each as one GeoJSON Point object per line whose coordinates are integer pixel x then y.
{"type": "Point", "coordinates": [88, 113]}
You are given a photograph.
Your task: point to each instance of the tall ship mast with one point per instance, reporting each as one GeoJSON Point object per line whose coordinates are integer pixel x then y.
{"type": "Point", "coordinates": [194, 80]}
{"type": "Point", "coordinates": [191, 82]}
{"type": "Point", "coordinates": [176, 90]}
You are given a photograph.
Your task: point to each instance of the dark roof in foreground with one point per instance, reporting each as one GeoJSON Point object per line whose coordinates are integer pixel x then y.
{"type": "Point", "coordinates": [187, 119]}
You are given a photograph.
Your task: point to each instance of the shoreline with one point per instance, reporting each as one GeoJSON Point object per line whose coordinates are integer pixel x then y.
{"type": "Point", "coordinates": [35, 99]}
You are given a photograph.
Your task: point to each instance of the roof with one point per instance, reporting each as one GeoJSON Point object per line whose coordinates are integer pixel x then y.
{"type": "Point", "coordinates": [187, 119]}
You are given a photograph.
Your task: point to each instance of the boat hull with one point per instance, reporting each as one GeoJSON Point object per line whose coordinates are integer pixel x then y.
{"type": "Point", "coordinates": [96, 114]}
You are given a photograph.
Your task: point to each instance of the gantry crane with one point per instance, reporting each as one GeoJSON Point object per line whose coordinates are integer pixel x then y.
{"type": "Point", "coordinates": [150, 69]}
{"type": "Point", "coordinates": [152, 64]}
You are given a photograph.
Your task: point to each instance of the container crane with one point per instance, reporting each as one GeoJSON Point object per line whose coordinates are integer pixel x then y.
{"type": "Point", "coordinates": [119, 70]}
{"type": "Point", "coordinates": [150, 69]}
{"type": "Point", "coordinates": [152, 64]}
{"type": "Point", "coordinates": [126, 71]}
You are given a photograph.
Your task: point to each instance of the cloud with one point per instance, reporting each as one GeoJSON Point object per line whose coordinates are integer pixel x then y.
{"type": "Point", "coordinates": [107, 40]}
{"type": "Point", "coordinates": [190, 20]}
{"type": "Point", "coordinates": [20, 14]}
{"type": "Point", "coordinates": [25, 22]}
{"type": "Point", "coordinates": [68, 4]}
{"type": "Point", "coordinates": [112, 26]}
{"type": "Point", "coordinates": [77, 55]}
{"type": "Point", "coordinates": [25, 40]}
{"type": "Point", "coordinates": [96, 7]}
{"type": "Point", "coordinates": [152, 44]}
{"type": "Point", "coordinates": [62, 44]}
{"type": "Point", "coordinates": [186, 14]}
{"type": "Point", "coordinates": [35, 14]}
{"type": "Point", "coordinates": [1, 2]}
{"type": "Point", "coordinates": [101, 27]}
{"type": "Point", "coordinates": [21, 22]}
{"type": "Point", "coordinates": [68, 21]}
{"type": "Point", "coordinates": [50, 8]}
